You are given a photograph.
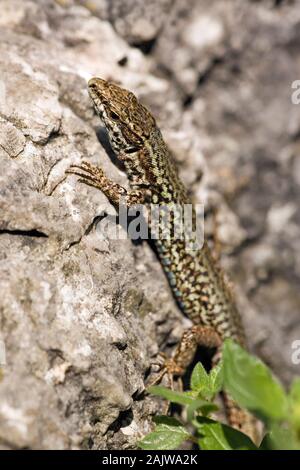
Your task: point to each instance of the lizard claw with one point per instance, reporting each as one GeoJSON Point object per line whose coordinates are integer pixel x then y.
{"type": "Point", "coordinates": [168, 368]}
{"type": "Point", "coordinates": [88, 174]}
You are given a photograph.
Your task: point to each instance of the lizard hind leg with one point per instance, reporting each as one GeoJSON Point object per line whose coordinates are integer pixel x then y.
{"type": "Point", "coordinates": [169, 369]}
{"type": "Point", "coordinates": [186, 350]}
{"type": "Point", "coordinates": [191, 339]}
{"type": "Point", "coordinates": [184, 354]}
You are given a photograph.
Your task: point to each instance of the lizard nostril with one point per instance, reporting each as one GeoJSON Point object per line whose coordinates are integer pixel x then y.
{"type": "Point", "coordinates": [92, 83]}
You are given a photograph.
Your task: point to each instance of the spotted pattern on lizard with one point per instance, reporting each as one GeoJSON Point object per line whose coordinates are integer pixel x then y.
{"type": "Point", "coordinates": [197, 282]}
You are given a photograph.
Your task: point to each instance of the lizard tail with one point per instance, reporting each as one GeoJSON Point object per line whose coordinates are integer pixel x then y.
{"type": "Point", "coordinates": [242, 420]}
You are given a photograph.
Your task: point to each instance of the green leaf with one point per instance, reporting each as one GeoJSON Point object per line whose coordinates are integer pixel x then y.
{"type": "Point", "coordinates": [199, 378]}
{"type": "Point", "coordinates": [280, 437]}
{"type": "Point", "coordinates": [168, 435]}
{"type": "Point", "coordinates": [188, 399]}
{"type": "Point", "coordinates": [216, 378]}
{"type": "Point", "coordinates": [251, 384]}
{"type": "Point", "coordinates": [207, 385]}
{"type": "Point", "coordinates": [294, 399]}
{"type": "Point", "coordinates": [182, 398]}
{"type": "Point", "coordinates": [208, 408]}
{"type": "Point", "coordinates": [218, 436]}
{"type": "Point", "coordinates": [205, 408]}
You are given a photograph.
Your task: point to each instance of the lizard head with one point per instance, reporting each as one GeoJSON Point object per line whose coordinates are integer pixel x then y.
{"type": "Point", "coordinates": [128, 123]}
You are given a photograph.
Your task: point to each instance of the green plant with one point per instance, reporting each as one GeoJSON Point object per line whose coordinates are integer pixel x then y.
{"type": "Point", "coordinates": [251, 384]}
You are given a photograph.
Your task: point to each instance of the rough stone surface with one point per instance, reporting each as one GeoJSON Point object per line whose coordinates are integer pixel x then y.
{"type": "Point", "coordinates": [82, 317]}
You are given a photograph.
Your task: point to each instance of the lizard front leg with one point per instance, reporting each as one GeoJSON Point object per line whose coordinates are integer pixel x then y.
{"type": "Point", "coordinates": [94, 176]}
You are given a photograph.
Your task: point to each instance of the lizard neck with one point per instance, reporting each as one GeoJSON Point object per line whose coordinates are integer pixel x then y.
{"type": "Point", "coordinates": [154, 167]}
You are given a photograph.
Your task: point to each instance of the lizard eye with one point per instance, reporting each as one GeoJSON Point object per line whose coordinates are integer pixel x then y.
{"type": "Point", "coordinates": [131, 150]}
{"type": "Point", "coordinates": [114, 116]}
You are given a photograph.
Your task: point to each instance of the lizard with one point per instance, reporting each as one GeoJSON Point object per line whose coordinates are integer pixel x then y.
{"type": "Point", "coordinates": [197, 281]}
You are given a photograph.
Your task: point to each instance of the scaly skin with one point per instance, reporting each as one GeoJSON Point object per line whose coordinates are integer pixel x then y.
{"type": "Point", "coordinates": [197, 282]}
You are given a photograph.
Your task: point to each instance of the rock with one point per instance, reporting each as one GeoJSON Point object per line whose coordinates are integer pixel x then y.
{"type": "Point", "coordinates": [73, 325]}
{"type": "Point", "coordinates": [137, 21]}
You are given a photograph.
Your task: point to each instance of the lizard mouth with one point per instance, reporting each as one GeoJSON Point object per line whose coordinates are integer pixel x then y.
{"type": "Point", "coordinates": [96, 87]}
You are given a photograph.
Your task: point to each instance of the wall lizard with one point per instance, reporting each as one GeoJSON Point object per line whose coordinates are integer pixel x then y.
{"type": "Point", "coordinates": [197, 282]}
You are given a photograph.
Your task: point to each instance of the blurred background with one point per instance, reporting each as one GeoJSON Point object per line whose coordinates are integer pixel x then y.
{"type": "Point", "coordinates": [81, 319]}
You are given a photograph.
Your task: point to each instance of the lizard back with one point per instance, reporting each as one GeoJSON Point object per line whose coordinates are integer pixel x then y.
{"type": "Point", "coordinates": [196, 280]}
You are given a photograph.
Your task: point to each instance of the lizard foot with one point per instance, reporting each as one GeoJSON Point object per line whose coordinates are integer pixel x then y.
{"type": "Point", "coordinates": [89, 174]}
{"type": "Point", "coordinates": [184, 353]}
{"type": "Point", "coordinates": [167, 367]}
{"type": "Point", "coordinates": [94, 176]}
